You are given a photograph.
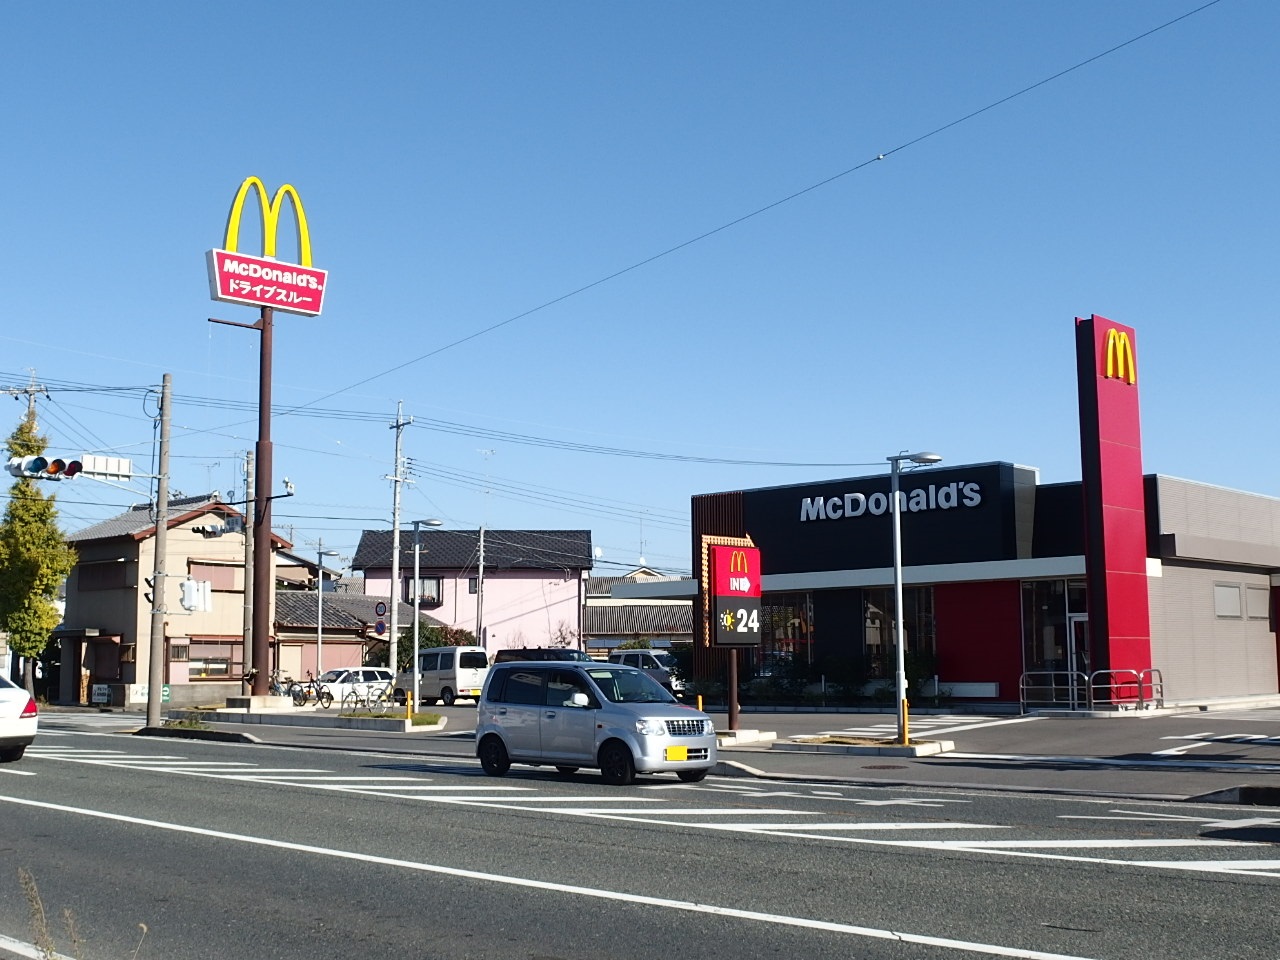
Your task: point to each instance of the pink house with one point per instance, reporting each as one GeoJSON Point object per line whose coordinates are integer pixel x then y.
{"type": "Point", "coordinates": [511, 588]}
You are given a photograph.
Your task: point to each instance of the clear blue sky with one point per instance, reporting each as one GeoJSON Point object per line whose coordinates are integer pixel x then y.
{"type": "Point", "coordinates": [462, 164]}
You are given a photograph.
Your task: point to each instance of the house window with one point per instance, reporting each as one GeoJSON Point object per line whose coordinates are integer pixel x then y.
{"type": "Point", "coordinates": [473, 586]}
{"type": "Point", "coordinates": [180, 651]}
{"type": "Point", "coordinates": [1258, 602]}
{"type": "Point", "coordinates": [103, 576]}
{"type": "Point", "coordinates": [1226, 601]}
{"type": "Point", "coordinates": [222, 576]}
{"type": "Point", "coordinates": [429, 591]}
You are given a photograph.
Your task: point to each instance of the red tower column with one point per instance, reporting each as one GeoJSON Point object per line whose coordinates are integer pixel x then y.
{"type": "Point", "coordinates": [1114, 507]}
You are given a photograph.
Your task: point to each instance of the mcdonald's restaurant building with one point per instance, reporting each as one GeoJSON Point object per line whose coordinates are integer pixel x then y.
{"type": "Point", "coordinates": [1126, 586]}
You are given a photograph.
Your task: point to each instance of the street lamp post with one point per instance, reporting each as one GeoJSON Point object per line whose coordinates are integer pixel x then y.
{"type": "Point", "coordinates": [899, 637]}
{"type": "Point", "coordinates": [321, 553]}
{"type": "Point", "coordinates": [417, 588]}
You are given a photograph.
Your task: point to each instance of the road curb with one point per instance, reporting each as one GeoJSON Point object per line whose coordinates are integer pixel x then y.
{"type": "Point", "coordinates": [194, 733]}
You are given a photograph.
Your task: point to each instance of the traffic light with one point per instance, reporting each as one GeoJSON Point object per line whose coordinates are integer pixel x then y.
{"type": "Point", "coordinates": [43, 468]}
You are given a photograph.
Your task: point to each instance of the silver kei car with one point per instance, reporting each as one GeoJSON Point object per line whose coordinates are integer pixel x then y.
{"type": "Point", "coordinates": [603, 715]}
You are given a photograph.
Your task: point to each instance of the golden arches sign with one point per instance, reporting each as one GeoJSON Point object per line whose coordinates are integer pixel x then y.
{"type": "Point", "coordinates": [1120, 364]}
{"type": "Point", "coordinates": [270, 219]}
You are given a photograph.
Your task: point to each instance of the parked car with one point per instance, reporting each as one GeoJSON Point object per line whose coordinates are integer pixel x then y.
{"type": "Point", "coordinates": [344, 680]}
{"type": "Point", "coordinates": [656, 663]}
{"type": "Point", "coordinates": [541, 653]}
{"type": "Point", "coordinates": [603, 715]}
{"type": "Point", "coordinates": [444, 674]}
{"type": "Point", "coordinates": [18, 720]}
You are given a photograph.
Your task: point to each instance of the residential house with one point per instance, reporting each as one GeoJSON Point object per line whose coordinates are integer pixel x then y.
{"type": "Point", "coordinates": [609, 621]}
{"type": "Point", "coordinates": [105, 635]}
{"type": "Point", "coordinates": [512, 588]}
{"type": "Point", "coordinates": [349, 637]}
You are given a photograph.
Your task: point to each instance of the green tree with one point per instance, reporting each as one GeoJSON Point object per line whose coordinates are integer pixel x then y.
{"type": "Point", "coordinates": [34, 557]}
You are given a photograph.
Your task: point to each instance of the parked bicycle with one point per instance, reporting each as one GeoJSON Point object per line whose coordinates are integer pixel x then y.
{"type": "Point", "coordinates": [376, 699]}
{"type": "Point", "coordinates": [313, 689]}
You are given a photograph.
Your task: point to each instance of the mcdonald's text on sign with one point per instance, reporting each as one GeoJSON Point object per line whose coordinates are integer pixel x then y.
{"type": "Point", "coordinates": [735, 578]}
{"type": "Point", "coordinates": [264, 281]}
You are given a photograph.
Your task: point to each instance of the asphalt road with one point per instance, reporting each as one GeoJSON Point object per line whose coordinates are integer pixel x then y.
{"type": "Point", "coordinates": [256, 850]}
{"type": "Point", "coordinates": [1197, 754]}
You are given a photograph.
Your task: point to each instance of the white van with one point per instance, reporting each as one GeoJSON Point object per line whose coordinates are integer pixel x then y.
{"type": "Point", "coordinates": [445, 674]}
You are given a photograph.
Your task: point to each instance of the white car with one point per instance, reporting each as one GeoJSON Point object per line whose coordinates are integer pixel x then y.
{"type": "Point", "coordinates": [17, 721]}
{"type": "Point", "coordinates": [344, 680]}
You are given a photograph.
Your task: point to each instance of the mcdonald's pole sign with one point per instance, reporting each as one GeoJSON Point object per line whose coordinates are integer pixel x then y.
{"type": "Point", "coordinates": [735, 578]}
{"type": "Point", "coordinates": [264, 281]}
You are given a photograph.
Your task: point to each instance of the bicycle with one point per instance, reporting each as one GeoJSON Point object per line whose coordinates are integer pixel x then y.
{"type": "Point", "coordinates": [313, 689]}
{"type": "Point", "coordinates": [381, 700]}
{"type": "Point", "coordinates": [355, 700]}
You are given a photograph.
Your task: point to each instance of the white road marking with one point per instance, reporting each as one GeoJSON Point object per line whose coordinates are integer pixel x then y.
{"type": "Point", "coordinates": [686, 906]}
{"type": "Point", "coordinates": [18, 773]}
{"type": "Point", "coordinates": [24, 949]}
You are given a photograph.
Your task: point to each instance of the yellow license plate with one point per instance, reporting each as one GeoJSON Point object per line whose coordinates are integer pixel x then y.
{"type": "Point", "coordinates": [474, 693]}
{"type": "Point", "coordinates": [676, 753]}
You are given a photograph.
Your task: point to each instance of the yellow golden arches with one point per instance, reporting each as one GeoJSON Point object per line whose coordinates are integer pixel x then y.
{"type": "Point", "coordinates": [1120, 364]}
{"type": "Point", "coordinates": [270, 219]}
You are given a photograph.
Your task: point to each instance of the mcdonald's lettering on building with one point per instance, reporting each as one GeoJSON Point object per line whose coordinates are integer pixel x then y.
{"type": "Point", "coordinates": [735, 577]}
{"type": "Point", "coordinates": [264, 281]}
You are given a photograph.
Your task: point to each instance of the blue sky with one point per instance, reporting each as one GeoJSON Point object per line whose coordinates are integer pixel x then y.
{"type": "Point", "coordinates": [464, 164]}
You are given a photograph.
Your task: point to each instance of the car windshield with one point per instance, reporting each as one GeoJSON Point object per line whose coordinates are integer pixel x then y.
{"type": "Point", "coordinates": [333, 676]}
{"type": "Point", "coordinates": [629, 686]}
{"type": "Point", "coordinates": [667, 660]}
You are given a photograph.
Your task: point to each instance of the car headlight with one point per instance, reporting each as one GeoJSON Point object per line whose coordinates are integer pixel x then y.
{"type": "Point", "coordinates": [709, 727]}
{"type": "Point", "coordinates": [651, 728]}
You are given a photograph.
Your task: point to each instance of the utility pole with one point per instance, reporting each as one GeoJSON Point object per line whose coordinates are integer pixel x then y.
{"type": "Point", "coordinates": [29, 391]}
{"type": "Point", "coordinates": [247, 650]}
{"type": "Point", "coordinates": [480, 596]}
{"type": "Point", "coordinates": [155, 659]}
{"type": "Point", "coordinates": [396, 479]}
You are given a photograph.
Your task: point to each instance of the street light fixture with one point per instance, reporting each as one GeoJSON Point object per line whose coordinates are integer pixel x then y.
{"type": "Point", "coordinates": [321, 553]}
{"type": "Point", "coordinates": [895, 468]}
{"type": "Point", "coordinates": [417, 588]}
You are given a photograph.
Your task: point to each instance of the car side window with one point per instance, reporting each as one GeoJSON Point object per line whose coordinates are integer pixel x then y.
{"type": "Point", "coordinates": [429, 661]}
{"type": "Point", "coordinates": [524, 686]}
{"type": "Point", "coordinates": [562, 685]}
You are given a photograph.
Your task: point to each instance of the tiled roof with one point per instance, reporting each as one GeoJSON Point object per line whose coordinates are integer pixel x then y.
{"type": "Point", "coordinates": [644, 619]}
{"type": "Point", "coordinates": [603, 586]}
{"type": "Point", "coordinates": [460, 550]}
{"type": "Point", "coordinates": [138, 519]}
{"type": "Point", "coordinates": [296, 610]}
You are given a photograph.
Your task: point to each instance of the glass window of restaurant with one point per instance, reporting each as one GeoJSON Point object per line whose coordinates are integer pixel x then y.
{"type": "Point", "coordinates": [918, 627]}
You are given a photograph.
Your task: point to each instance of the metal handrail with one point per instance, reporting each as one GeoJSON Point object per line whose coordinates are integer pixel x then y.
{"type": "Point", "coordinates": [1116, 689]}
{"type": "Point", "coordinates": [1058, 680]}
{"type": "Point", "coordinates": [1108, 688]}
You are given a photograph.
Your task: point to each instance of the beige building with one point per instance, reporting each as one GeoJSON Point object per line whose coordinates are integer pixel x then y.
{"type": "Point", "coordinates": [105, 636]}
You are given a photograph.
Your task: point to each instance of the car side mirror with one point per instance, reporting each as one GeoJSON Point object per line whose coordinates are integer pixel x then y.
{"type": "Point", "coordinates": [580, 699]}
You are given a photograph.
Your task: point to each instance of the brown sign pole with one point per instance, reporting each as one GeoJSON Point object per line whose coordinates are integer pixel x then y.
{"type": "Point", "coordinates": [263, 571]}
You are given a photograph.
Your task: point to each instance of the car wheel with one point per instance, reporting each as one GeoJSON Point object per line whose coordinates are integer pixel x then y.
{"type": "Point", "coordinates": [566, 770]}
{"type": "Point", "coordinates": [493, 756]}
{"type": "Point", "coordinates": [447, 697]}
{"type": "Point", "coordinates": [692, 776]}
{"type": "Point", "coordinates": [401, 698]}
{"type": "Point", "coordinates": [616, 764]}
{"type": "Point", "coordinates": [12, 754]}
